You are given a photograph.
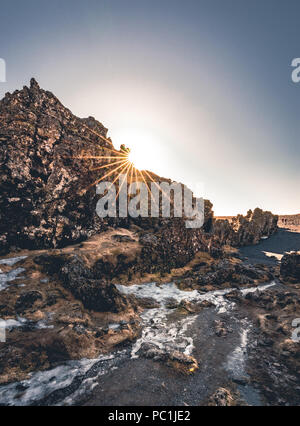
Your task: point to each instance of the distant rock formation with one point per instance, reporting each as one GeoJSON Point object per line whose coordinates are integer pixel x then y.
{"type": "Point", "coordinates": [246, 230]}
{"type": "Point", "coordinates": [289, 220]}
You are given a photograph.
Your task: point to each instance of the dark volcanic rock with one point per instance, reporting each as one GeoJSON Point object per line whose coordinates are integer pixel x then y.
{"type": "Point", "coordinates": [172, 246]}
{"type": "Point", "coordinates": [290, 267]}
{"type": "Point", "coordinates": [47, 197]}
{"type": "Point", "coordinates": [274, 357]}
{"type": "Point", "coordinates": [123, 238]}
{"type": "Point", "coordinates": [222, 398]}
{"type": "Point", "coordinates": [221, 329]}
{"type": "Point", "coordinates": [27, 300]}
{"type": "Point", "coordinates": [53, 327]}
{"type": "Point", "coordinates": [95, 294]}
{"type": "Point", "coordinates": [235, 274]}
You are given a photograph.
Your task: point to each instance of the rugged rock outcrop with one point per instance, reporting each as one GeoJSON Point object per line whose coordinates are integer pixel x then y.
{"type": "Point", "coordinates": [95, 294]}
{"type": "Point", "coordinates": [86, 284]}
{"type": "Point", "coordinates": [47, 198]}
{"type": "Point", "coordinates": [274, 356]}
{"type": "Point", "coordinates": [290, 267]}
{"type": "Point", "coordinates": [246, 230]}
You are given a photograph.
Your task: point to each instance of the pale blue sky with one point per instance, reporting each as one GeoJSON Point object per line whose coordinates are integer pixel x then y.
{"type": "Point", "coordinates": [203, 86]}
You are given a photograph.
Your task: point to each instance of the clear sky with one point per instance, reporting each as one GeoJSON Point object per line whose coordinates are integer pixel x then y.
{"type": "Point", "coordinates": [201, 90]}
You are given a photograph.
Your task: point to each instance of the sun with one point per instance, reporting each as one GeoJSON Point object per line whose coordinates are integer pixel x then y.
{"type": "Point", "coordinates": [124, 162]}
{"type": "Point", "coordinates": [136, 159]}
{"type": "Point", "coordinates": [143, 154]}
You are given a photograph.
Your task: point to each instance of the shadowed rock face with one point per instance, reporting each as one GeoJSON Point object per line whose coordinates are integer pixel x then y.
{"type": "Point", "coordinates": [95, 294]}
{"type": "Point", "coordinates": [45, 196]}
{"type": "Point", "coordinates": [290, 267]}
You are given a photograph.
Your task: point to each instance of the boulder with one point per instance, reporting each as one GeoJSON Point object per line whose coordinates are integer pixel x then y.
{"type": "Point", "coordinates": [178, 360]}
{"type": "Point", "coordinates": [290, 267]}
{"type": "Point", "coordinates": [222, 398]}
{"type": "Point", "coordinates": [95, 294]}
{"type": "Point", "coordinates": [27, 300]}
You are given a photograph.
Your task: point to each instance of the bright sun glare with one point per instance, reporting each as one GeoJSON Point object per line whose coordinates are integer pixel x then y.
{"type": "Point", "coordinates": [136, 159]}
{"type": "Point", "coordinates": [142, 147]}
{"type": "Point", "coordinates": [138, 153]}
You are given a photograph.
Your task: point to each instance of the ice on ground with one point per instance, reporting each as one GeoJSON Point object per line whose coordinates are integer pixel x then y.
{"type": "Point", "coordinates": [260, 288]}
{"type": "Point", "coordinates": [163, 292]}
{"type": "Point", "coordinates": [6, 277]}
{"type": "Point", "coordinates": [166, 335]}
{"type": "Point", "coordinates": [236, 361]}
{"type": "Point", "coordinates": [13, 323]}
{"type": "Point", "coordinates": [43, 383]}
{"type": "Point", "coordinates": [12, 261]}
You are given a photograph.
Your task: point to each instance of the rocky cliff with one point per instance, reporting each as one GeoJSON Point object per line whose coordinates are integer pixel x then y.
{"type": "Point", "coordinates": [45, 196]}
